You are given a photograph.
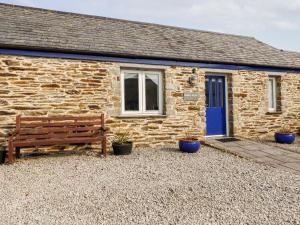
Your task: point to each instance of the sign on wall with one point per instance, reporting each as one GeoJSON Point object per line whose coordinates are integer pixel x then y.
{"type": "Point", "coordinates": [190, 96]}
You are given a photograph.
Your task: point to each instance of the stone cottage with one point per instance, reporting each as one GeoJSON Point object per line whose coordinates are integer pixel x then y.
{"type": "Point", "coordinates": [156, 82]}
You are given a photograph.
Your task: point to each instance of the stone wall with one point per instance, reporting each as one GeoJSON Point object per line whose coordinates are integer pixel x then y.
{"type": "Point", "coordinates": [250, 104]}
{"type": "Point", "coordinates": [40, 86]}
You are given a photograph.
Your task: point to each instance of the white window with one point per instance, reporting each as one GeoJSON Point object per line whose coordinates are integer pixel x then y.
{"type": "Point", "coordinates": [272, 94]}
{"type": "Point", "coordinates": [141, 92]}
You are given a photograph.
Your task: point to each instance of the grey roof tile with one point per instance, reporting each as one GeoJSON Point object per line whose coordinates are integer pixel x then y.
{"type": "Point", "coordinates": [31, 28]}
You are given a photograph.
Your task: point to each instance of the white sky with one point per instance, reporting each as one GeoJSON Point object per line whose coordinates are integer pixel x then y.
{"type": "Point", "coordinates": [276, 22]}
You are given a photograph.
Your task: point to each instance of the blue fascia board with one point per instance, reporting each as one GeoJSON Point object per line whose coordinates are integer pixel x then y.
{"type": "Point", "coordinates": [141, 61]}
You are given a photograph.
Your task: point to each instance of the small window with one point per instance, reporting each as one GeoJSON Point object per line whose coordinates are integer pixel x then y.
{"type": "Point", "coordinates": [207, 92]}
{"type": "Point", "coordinates": [131, 91]}
{"type": "Point", "coordinates": [220, 82]}
{"type": "Point", "coordinates": [214, 92]}
{"type": "Point", "coordinates": [141, 92]}
{"type": "Point", "coordinates": [272, 93]}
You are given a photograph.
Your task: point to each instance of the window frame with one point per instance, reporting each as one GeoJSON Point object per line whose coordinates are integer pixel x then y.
{"type": "Point", "coordinates": [272, 98]}
{"type": "Point", "coordinates": [142, 92]}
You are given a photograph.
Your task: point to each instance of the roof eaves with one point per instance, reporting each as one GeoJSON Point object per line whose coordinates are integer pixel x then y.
{"type": "Point", "coordinates": [112, 54]}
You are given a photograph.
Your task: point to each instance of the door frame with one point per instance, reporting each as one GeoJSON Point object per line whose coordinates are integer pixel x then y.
{"type": "Point", "coordinates": [226, 102]}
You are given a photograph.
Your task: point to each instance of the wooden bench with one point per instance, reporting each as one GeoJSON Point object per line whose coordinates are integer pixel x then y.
{"type": "Point", "coordinates": [56, 130]}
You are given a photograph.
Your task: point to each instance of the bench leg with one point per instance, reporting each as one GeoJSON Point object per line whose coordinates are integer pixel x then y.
{"type": "Point", "coordinates": [10, 152]}
{"type": "Point", "coordinates": [104, 146]}
{"type": "Point", "coordinates": [18, 152]}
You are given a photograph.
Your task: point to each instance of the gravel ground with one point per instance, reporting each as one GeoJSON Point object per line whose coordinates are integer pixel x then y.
{"type": "Point", "coordinates": [148, 187]}
{"type": "Point", "coordinates": [295, 147]}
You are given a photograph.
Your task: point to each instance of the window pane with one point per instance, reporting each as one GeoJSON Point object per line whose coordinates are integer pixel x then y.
{"type": "Point", "coordinates": [152, 91]}
{"type": "Point", "coordinates": [207, 92]}
{"type": "Point", "coordinates": [214, 94]}
{"type": "Point", "coordinates": [220, 82]}
{"type": "Point", "coordinates": [271, 94]}
{"type": "Point", "coordinates": [131, 92]}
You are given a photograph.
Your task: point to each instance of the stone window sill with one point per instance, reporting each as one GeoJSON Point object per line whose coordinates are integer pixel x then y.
{"type": "Point", "coordinates": [141, 116]}
{"type": "Point", "coordinates": [274, 113]}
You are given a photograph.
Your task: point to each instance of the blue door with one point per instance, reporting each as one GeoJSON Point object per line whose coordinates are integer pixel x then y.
{"type": "Point", "coordinates": [215, 105]}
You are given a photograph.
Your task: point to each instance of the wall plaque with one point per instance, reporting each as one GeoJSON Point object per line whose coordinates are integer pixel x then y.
{"type": "Point", "coordinates": [190, 96]}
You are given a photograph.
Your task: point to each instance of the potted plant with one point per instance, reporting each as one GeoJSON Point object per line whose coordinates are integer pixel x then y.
{"type": "Point", "coordinates": [285, 136]}
{"type": "Point", "coordinates": [121, 144]}
{"type": "Point", "coordinates": [189, 144]}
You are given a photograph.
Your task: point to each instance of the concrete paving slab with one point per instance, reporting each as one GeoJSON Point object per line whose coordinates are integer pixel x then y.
{"type": "Point", "coordinates": [246, 155]}
{"type": "Point", "coordinates": [281, 167]}
{"type": "Point", "coordinates": [252, 147]}
{"type": "Point", "coordinates": [295, 165]}
{"type": "Point", "coordinates": [274, 151]}
{"type": "Point", "coordinates": [259, 152]}
{"type": "Point", "coordinates": [284, 158]}
{"type": "Point", "coordinates": [237, 149]}
{"type": "Point", "coordinates": [269, 161]}
{"type": "Point", "coordinates": [294, 155]}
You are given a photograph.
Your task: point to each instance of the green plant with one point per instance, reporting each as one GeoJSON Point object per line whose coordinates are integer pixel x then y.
{"type": "Point", "coordinates": [284, 130]}
{"type": "Point", "coordinates": [189, 137]}
{"type": "Point", "coordinates": [121, 138]}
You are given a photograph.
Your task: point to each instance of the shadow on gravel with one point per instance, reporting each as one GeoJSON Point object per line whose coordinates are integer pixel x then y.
{"type": "Point", "coordinates": [56, 154]}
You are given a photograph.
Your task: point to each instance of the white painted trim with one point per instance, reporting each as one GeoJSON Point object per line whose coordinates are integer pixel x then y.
{"type": "Point", "coordinates": [142, 93]}
{"type": "Point", "coordinates": [227, 110]}
{"type": "Point", "coordinates": [272, 98]}
{"type": "Point", "coordinates": [212, 136]}
{"type": "Point", "coordinates": [141, 87]}
{"type": "Point", "coordinates": [218, 72]}
{"type": "Point", "coordinates": [142, 116]}
{"type": "Point", "coordinates": [123, 96]}
{"type": "Point", "coordinates": [143, 66]}
{"type": "Point", "coordinates": [226, 102]}
{"type": "Point", "coordinates": [277, 73]}
{"type": "Point", "coordinates": [160, 93]}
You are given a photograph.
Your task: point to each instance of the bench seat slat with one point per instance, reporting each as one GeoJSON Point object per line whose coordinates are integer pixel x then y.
{"type": "Point", "coordinates": [56, 142]}
{"type": "Point", "coordinates": [57, 135]}
{"type": "Point", "coordinates": [59, 124]}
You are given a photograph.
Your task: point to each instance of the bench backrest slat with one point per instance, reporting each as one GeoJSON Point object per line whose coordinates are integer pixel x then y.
{"type": "Point", "coordinates": [56, 129]}
{"type": "Point", "coordinates": [57, 118]}
{"type": "Point", "coordinates": [59, 124]}
{"type": "Point", "coordinates": [61, 127]}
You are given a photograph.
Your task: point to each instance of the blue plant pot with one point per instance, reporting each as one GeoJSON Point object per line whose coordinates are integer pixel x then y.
{"type": "Point", "coordinates": [189, 146]}
{"type": "Point", "coordinates": [285, 138]}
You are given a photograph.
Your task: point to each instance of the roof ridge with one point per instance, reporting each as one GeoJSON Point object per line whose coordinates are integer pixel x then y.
{"type": "Point", "coordinates": [124, 20]}
{"type": "Point", "coordinates": [290, 51]}
{"type": "Point", "coordinates": [270, 46]}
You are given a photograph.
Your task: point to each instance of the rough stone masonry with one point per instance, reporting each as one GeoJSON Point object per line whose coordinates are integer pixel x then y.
{"type": "Point", "coordinates": [32, 86]}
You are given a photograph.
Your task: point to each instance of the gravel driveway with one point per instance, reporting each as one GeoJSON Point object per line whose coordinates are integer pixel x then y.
{"type": "Point", "coordinates": [148, 187]}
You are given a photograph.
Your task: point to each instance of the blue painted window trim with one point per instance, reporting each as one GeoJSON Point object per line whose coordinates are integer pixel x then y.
{"type": "Point", "coordinates": [141, 61]}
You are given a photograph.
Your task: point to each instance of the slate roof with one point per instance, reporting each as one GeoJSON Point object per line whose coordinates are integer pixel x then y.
{"type": "Point", "coordinates": [32, 28]}
{"type": "Point", "coordinates": [295, 55]}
